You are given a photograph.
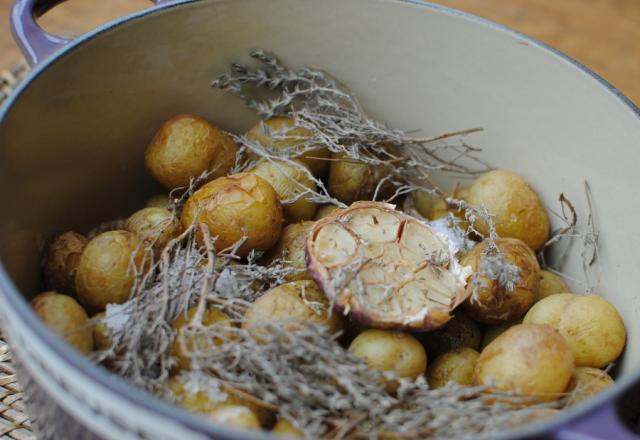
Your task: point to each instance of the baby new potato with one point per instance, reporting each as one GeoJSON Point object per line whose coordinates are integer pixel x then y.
{"type": "Point", "coordinates": [101, 332]}
{"type": "Point", "coordinates": [293, 304]}
{"type": "Point", "coordinates": [289, 181]}
{"type": "Point", "coordinates": [516, 208]}
{"type": "Point", "coordinates": [325, 210]}
{"type": "Point", "coordinates": [281, 134]}
{"type": "Point", "coordinates": [285, 428]}
{"type": "Point", "coordinates": [433, 207]}
{"type": "Point", "coordinates": [527, 359]}
{"type": "Point", "coordinates": [490, 332]}
{"type": "Point", "coordinates": [235, 416]}
{"type": "Point", "coordinates": [493, 303]}
{"type": "Point", "coordinates": [66, 318]}
{"type": "Point", "coordinates": [107, 269]}
{"type": "Point", "coordinates": [205, 401]}
{"type": "Point", "coordinates": [62, 261]}
{"type": "Point", "coordinates": [392, 351]}
{"type": "Point", "coordinates": [159, 201]}
{"type": "Point", "coordinates": [550, 284]}
{"type": "Point", "coordinates": [291, 248]}
{"type": "Point", "coordinates": [352, 181]}
{"type": "Point", "coordinates": [155, 227]}
{"type": "Point", "coordinates": [185, 147]}
{"type": "Point", "coordinates": [460, 331]}
{"type": "Point", "coordinates": [186, 343]}
{"type": "Point", "coordinates": [585, 383]}
{"type": "Point", "coordinates": [235, 207]}
{"type": "Point", "coordinates": [590, 324]}
{"type": "Point", "coordinates": [453, 366]}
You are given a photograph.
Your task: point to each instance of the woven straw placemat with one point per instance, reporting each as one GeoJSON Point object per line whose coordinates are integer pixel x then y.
{"type": "Point", "coordinates": [14, 421]}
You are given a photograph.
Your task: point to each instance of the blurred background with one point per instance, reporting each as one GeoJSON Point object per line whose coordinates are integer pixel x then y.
{"type": "Point", "coordinates": [603, 34]}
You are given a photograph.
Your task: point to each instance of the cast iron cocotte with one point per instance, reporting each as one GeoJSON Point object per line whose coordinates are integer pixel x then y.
{"type": "Point", "coordinates": [73, 135]}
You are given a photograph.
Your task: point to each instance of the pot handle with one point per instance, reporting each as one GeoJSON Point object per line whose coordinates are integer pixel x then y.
{"type": "Point", "coordinates": [35, 43]}
{"type": "Point", "coordinates": [601, 424]}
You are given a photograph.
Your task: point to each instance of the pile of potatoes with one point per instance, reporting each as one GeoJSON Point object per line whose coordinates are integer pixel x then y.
{"type": "Point", "coordinates": [538, 340]}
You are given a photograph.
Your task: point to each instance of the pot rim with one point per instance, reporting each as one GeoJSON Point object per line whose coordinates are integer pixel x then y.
{"type": "Point", "coordinates": [145, 400]}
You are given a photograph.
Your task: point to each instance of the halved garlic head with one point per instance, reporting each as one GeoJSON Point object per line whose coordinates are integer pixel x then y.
{"type": "Point", "coordinates": [384, 268]}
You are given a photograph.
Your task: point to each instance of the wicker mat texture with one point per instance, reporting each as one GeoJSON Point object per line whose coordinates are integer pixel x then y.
{"type": "Point", "coordinates": [14, 421]}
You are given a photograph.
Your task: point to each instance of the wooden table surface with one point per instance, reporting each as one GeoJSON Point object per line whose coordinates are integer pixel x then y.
{"type": "Point", "coordinates": [603, 34]}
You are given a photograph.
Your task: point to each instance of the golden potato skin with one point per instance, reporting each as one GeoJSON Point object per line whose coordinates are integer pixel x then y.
{"type": "Point", "coordinates": [203, 402]}
{"type": "Point", "coordinates": [104, 273]}
{"type": "Point", "coordinates": [185, 147]}
{"type": "Point", "coordinates": [285, 304]}
{"type": "Point", "coordinates": [528, 359]}
{"type": "Point", "coordinates": [234, 207]}
{"type": "Point", "coordinates": [393, 351]}
{"type": "Point", "coordinates": [183, 345]}
{"type": "Point", "coordinates": [155, 227]}
{"type": "Point", "coordinates": [235, 416]}
{"type": "Point", "coordinates": [279, 174]}
{"type": "Point", "coordinates": [492, 304]}
{"type": "Point", "coordinates": [66, 318]}
{"type": "Point", "coordinates": [590, 324]}
{"type": "Point", "coordinates": [585, 383]}
{"type": "Point", "coordinates": [351, 181]}
{"type": "Point", "coordinates": [460, 331]}
{"type": "Point", "coordinates": [550, 284]}
{"type": "Point", "coordinates": [291, 247]}
{"type": "Point", "coordinates": [456, 365]}
{"type": "Point", "coordinates": [516, 207]}
{"type": "Point", "coordinates": [159, 201]}
{"type": "Point", "coordinates": [62, 261]}
{"type": "Point", "coordinates": [285, 428]}
{"type": "Point", "coordinates": [282, 125]}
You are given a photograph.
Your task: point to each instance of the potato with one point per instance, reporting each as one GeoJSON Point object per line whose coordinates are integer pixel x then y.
{"type": "Point", "coordinates": [591, 325]}
{"type": "Point", "coordinates": [105, 273]}
{"type": "Point", "coordinates": [291, 248]}
{"type": "Point", "coordinates": [204, 401]}
{"type": "Point", "coordinates": [490, 332]}
{"type": "Point", "coordinates": [282, 176]}
{"type": "Point", "coordinates": [66, 318]}
{"type": "Point", "coordinates": [285, 428]}
{"type": "Point", "coordinates": [516, 207]}
{"type": "Point", "coordinates": [392, 351]}
{"type": "Point", "coordinates": [433, 207]}
{"type": "Point", "coordinates": [101, 332]}
{"type": "Point", "coordinates": [492, 303]}
{"type": "Point", "coordinates": [62, 261]}
{"type": "Point", "coordinates": [528, 359]}
{"type": "Point", "coordinates": [291, 139]}
{"type": "Point", "coordinates": [453, 366]}
{"type": "Point", "coordinates": [325, 210]}
{"type": "Point", "coordinates": [156, 227]}
{"type": "Point", "coordinates": [159, 201]}
{"type": "Point", "coordinates": [187, 343]}
{"type": "Point", "coordinates": [585, 383]}
{"type": "Point", "coordinates": [460, 331]}
{"type": "Point", "coordinates": [240, 206]}
{"type": "Point", "coordinates": [352, 181]}
{"type": "Point", "coordinates": [185, 147]}
{"type": "Point", "coordinates": [293, 303]}
{"type": "Point", "coordinates": [550, 284]}
{"type": "Point", "coordinates": [235, 416]}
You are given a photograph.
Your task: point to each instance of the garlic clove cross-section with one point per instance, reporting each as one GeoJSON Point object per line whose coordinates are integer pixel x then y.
{"type": "Point", "coordinates": [385, 268]}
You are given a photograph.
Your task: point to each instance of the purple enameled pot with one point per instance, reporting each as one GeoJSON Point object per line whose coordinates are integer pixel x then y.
{"type": "Point", "coordinates": [72, 140]}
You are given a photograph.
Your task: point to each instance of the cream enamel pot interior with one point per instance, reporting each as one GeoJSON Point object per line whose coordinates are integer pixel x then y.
{"type": "Point", "coordinates": [72, 141]}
